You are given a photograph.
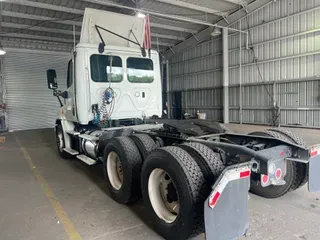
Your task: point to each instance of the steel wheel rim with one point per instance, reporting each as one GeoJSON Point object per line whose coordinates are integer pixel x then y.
{"type": "Point", "coordinates": [114, 170]}
{"type": "Point", "coordinates": [163, 195]}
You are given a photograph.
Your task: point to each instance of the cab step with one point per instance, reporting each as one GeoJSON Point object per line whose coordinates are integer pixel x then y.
{"type": "Point", "coordinates": [86, 159]}
{"type": "Point", "coordinates": [73, 133]}
{"type": "Point", "coordinates": [71, 151]}
{"type": "Point", "coordinates": [88, 137]}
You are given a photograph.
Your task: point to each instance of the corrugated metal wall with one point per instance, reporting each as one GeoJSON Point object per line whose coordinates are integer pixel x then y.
{"type": "Point", "coordinates": [31, 105]}
{"type": "Point", "coordinates": [286, 39]}
{"type": "Point", "coordinates": [197, 72]}
{"type": "Point", "coordinates": [3, 126]}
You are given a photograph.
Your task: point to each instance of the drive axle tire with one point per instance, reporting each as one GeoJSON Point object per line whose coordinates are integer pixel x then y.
{"type": "Point", "coordinates": [208, 161]}
{"type": "Point", "coordinates": [274, 191]}
{"type": "Point", "coordinates": [144, 143]}
{"type": "Point", "coordinates": [291, 177]}
{"type": "Point", "coordinates": [122, 166]}
{"type": "Point", "coordinates": [159, 142]}
{"type": "Point", "coordinates": [292, 136]}
{"type": "Point", "coordinates": [60, 142]}
{"type": "Point", "coordinates": [172, 189]}
{"type": "Point", "coordinates": [303, 168]}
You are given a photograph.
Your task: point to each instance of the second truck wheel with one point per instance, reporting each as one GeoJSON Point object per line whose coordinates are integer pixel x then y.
{"type": "Point", "coordinates": [144, 143]}
{"type": "Point", "coordinates": [290, 178]}
{"type": "Point", "coordinates": [122, 167]}
{"type": "Point", "coordinates": [302, 168]}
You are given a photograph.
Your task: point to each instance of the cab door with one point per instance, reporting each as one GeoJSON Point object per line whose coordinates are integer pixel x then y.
{"type": "Point", "coordinates": [70, 106]}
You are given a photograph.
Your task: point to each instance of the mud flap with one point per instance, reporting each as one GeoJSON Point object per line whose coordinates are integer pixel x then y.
{"type": "Point", "coordinates": [314, 169]}
{"type": "Point", "coordinates": [226, 209]}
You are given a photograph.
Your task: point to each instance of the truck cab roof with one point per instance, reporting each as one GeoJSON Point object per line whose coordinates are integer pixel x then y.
{"type": "Point", "coordinates": [130, 28]}
{"type": "Point", "coordinates": [113, 48]}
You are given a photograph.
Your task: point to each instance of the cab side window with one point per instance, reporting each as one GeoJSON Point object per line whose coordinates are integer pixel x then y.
{"type": "Point", "coordinates": [70, 74]}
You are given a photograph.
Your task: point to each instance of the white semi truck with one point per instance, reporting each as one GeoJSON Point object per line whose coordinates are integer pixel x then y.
{"type": "Point", "coordinates": [193, 175]}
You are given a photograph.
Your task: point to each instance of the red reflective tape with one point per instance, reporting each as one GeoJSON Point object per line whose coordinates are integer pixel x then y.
{"type": "Point", "coordinates": [214, 199]}
{"type": "Point", "coordinates": [245, 174]}
{"type": "Point", "coordinates": [314, 153]}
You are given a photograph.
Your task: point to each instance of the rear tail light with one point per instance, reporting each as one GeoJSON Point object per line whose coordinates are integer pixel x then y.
{"type": "Point", "coordinates": [314, 150]}
{"type": "Point", "coordinates": [264, 179]}
{"type": "Point", "coordinates": [314, 153]}
{"type": "Point", "coordinates": [278, 173]}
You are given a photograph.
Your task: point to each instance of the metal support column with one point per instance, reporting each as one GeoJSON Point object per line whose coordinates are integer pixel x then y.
{"type": "Point", "coordinates": [169, 102]}
{"type": "Point", "coordinates": [240, 76]}
{"type": "Point", "coordinates": [225, 56]}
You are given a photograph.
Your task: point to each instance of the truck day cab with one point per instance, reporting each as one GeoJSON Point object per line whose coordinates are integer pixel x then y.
{"type": "Point", "coordinates": [193, 175]}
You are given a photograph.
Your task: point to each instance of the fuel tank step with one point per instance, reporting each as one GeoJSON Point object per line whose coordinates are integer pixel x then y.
{"type": "Point", "coordinates": [86, 159]}
{"type": "Point", "coordinates": [74, 133]}
{"type": "Point", "coordinates": [71, 151]}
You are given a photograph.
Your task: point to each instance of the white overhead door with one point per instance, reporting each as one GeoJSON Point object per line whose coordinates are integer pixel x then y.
{"type": "Point", "coordinates": [31, 105]}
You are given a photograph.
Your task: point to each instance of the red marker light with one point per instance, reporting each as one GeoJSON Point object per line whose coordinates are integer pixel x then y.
{"type": "Point", "coordinates": [281, 154]}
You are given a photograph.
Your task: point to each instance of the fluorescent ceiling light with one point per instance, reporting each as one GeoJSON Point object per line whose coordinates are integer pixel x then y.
{"type": "Point", "coordinates": [216, 32]}
{"type": "Point", "coordinates": [2, 52]}
{"type": "Point", "coordinates": [140, 15]}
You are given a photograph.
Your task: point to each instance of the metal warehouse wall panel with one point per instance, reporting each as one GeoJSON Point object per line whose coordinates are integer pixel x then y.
{"type": "Point", "coordinates": [31, 105]}
{"type": "Point", "coordinates": [2, 84]}
{"type": "Point", "coordinates": [285, 36]}
{"type": "Point", "coordinates": [286, 39]}
{"type": "Point", "coordinates": [197, 69]}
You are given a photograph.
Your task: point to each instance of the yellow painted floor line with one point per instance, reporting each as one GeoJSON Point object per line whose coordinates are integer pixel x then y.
{"type": "Point", "coordinates": [61, 213]}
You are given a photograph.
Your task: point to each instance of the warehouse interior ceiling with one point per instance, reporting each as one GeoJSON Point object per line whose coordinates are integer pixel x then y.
{"type": "Point", "coordinates": [50, 24]}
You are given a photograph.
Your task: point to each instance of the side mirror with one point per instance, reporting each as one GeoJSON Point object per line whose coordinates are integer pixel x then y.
{"type": "Point", "coordinates": [101, 47]}
{"type": "Point", "coordinates": [52, 79]}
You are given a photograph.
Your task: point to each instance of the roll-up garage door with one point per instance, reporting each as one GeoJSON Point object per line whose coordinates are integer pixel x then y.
{"type": "Point", "coordinates": [30, 104]}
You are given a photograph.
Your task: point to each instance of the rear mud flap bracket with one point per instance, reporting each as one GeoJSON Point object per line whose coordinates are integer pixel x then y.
{"type": "Point", "coordinates": [228, 219]}
{"type": "Point", "coordinates": [314, 176]}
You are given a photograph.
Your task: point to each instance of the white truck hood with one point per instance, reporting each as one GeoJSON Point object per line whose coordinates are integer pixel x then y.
{"type": "Point", "coordinates": [115, 22]}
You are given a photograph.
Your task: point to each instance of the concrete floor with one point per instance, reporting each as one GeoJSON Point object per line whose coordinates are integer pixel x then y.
{"type": "Point", "coordinates": [29, 209]}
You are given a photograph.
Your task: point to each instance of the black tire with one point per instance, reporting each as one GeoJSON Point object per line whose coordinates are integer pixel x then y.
{"type": "Point", "coordinates": [60, 148]}
{"type": "Point", "coordinates": [131, 163]}
{"type": "Point", "coordinates": [291, 178]}
{"type": "Point", "coordinates": [144, 143]}
{"type": "Point", "coordinates": [208, 161]}
{"type": "Point", "coordinates": [159, 142]}
{"type": "Point", "coordinates": [292, 136]}
{"type": "Point", "coordinates": [188, 180]}
{"type": "Point", "coordinates": [303, 168]}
